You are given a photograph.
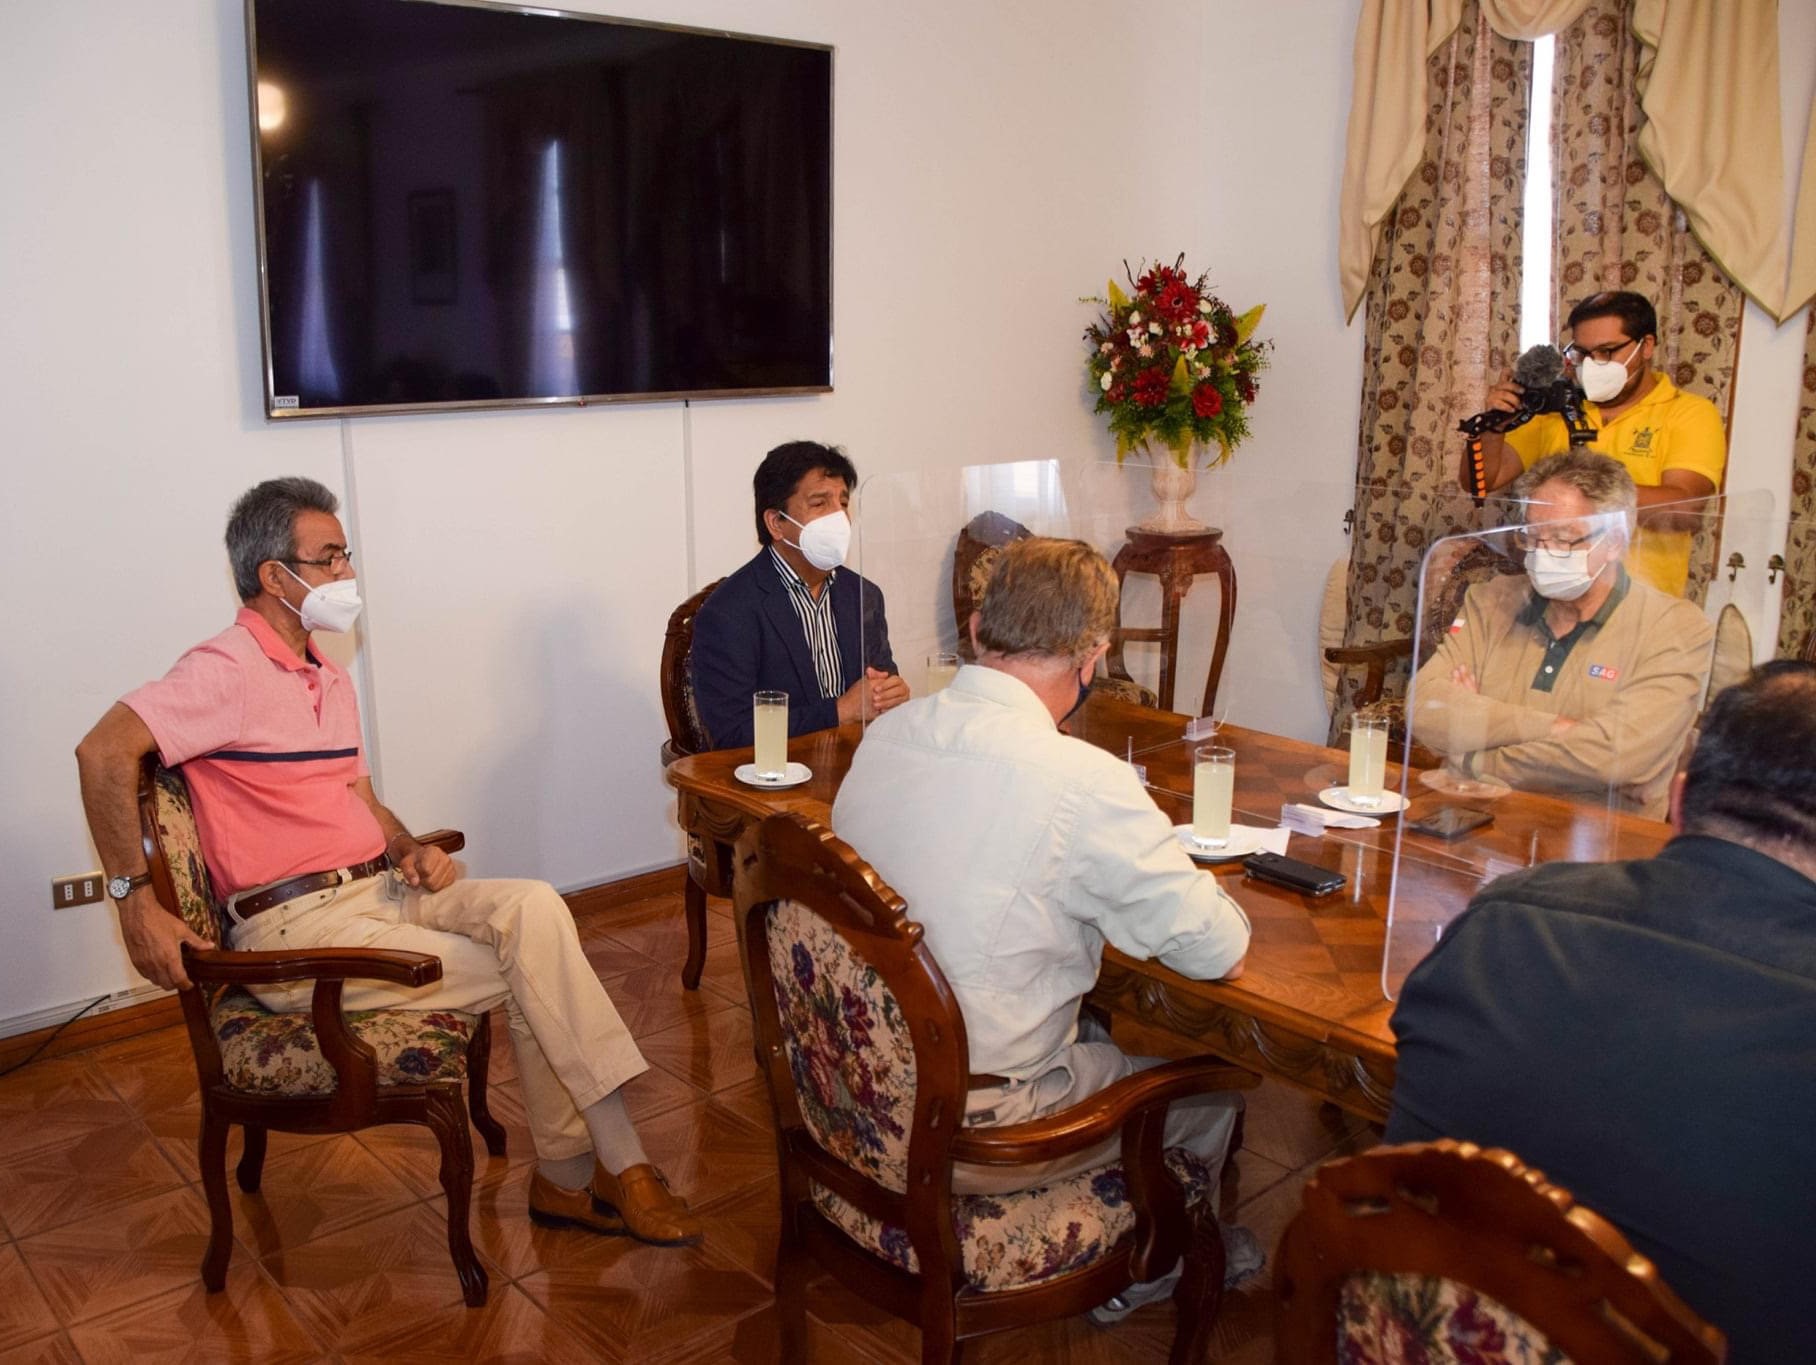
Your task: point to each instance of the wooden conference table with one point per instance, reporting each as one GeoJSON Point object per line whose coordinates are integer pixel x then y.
{"type": "Point", "coordinates": [1310, 1008]}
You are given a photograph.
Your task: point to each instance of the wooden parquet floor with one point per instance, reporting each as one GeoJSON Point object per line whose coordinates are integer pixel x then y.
{"type": "Point", "coordinates": [343, 1255]}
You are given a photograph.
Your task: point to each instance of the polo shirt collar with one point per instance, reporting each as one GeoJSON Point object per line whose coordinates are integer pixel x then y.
{"type": "Point", "coordinates": [1777, 878]}
{"type": "Point", "coordinates": [1533, 613]}
{"type": "Point", "coordinates": [277, 650]}
{"type": "Point", "coordinates": [994, 685]}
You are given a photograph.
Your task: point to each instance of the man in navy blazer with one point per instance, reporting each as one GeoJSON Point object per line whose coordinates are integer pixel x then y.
{"type": "Point", "coordinates": [792, 620]}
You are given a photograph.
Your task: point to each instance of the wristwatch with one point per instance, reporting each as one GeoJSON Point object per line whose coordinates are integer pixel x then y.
{"type": "Point", "coordinates": [121, 887]}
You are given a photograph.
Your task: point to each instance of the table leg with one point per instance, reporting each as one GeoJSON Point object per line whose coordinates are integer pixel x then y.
{"type": "Point", "coordinates": [1225, 569]}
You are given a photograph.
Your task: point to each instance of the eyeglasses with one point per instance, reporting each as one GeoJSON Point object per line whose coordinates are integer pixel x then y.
{"type": "Point", "coordinates": [334, 562]}
{"type": "Point", "coordinates": [1612, 351]}
{"type": "Point", "coordinates": [1541, 538]}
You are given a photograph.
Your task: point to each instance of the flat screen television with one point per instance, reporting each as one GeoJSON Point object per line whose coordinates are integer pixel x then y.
{"type": "Point", "coordinates": [468, 205]}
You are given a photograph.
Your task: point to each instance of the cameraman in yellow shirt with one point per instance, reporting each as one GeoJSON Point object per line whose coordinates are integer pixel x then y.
{"type": "Point", "coordinates": [1671, 442]}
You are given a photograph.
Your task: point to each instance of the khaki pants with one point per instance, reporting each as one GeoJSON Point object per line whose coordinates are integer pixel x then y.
{"type": "Point", "coordinates": [1202, 1125]}
{"type": "Point", "coordinates": [509, 942]}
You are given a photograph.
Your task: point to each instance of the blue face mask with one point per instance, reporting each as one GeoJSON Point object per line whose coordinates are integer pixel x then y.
{"type": "Point", "coordinates": [1084, 690]}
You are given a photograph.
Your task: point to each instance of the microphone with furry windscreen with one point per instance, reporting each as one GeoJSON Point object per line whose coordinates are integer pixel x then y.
{"type": "Point", "coordinates": [1540, 374]}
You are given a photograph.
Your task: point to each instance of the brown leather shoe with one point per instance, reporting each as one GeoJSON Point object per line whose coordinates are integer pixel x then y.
{"type": "Point", "coordinates": [640, 1198]}
{"type": "Point", "coordinates": [551, 1206]}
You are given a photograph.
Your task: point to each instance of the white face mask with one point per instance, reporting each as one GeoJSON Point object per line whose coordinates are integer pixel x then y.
{"type": "Point", "coordinates": [1602, 380]}
{"type": "Point", "coordinates": [1561, 576]}
{"type": "Point", "coordinates": [825, 541]}
{"type": "Point", "coordinates": [329, 606]}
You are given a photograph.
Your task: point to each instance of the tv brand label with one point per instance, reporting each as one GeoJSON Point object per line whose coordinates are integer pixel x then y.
{"type": "Point", "coordinates": [285, 400]}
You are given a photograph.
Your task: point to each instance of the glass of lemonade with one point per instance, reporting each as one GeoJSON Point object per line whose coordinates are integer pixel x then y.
{"type": "Point", "coordinates": [1367, 757]}
{"type": "Point", "coordinates": [1213, 793]}
{"type": "Point", "coordinates": [941, 669]}
{"type": "Point", "coordinates": [770, 713]}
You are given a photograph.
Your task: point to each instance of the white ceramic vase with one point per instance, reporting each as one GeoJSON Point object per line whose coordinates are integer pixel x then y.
{"type": "Point", "coordinates": [1172, 487]}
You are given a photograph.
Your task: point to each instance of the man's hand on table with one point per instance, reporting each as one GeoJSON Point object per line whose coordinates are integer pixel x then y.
{"type": "Point", "coordinates": [871, 695]}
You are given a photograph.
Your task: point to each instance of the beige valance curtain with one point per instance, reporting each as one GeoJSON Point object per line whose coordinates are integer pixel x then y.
{"type": "Point", "coordinates": [1708, 84]}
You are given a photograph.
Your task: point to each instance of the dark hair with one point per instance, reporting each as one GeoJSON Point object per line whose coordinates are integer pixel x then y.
{"type": "Point", "coordinates": [262, 526]}
{"type": "Point", "coordinates": [1754, 768]}
{"type": "Point", "coordinates": [783, 469]}
{"type": "Point", "coordinates": [1634, 310]}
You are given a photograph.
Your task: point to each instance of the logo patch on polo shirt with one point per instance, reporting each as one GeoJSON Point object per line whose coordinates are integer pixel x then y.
{"type": "Point", "coordinates": [1608, 671]}
{"type": "Point", "coordinates": [1457, 625]}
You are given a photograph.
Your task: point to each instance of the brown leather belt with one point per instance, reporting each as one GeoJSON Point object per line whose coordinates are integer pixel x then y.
{"type": "Point", "coordinates": [984, 1080]}
{"type": "Point", "coordinates": [303, 885]}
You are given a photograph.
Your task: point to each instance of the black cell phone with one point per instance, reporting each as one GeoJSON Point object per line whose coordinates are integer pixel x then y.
{"type": "Point", "coordinates": [1450, 822]}
{"type": "Point", "coordinates": [1290, 872]}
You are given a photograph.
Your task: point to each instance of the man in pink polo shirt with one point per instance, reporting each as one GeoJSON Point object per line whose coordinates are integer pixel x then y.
{"type": "Point", "coordinates": [267, 733]}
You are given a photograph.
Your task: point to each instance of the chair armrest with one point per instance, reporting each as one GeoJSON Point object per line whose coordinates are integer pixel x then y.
{"type": "Point", "coordinates": [1381, 651]}
{"type": "Point", "coordinates": [1098, 1116]}
{"type": "Point", "coordinates": [447, 840]}
{"type": "Point", "coordinates": [226, 967]}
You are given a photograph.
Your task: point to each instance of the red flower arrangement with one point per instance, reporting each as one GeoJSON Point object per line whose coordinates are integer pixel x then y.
{"type": "Point", "coordinates": [1173, 366]}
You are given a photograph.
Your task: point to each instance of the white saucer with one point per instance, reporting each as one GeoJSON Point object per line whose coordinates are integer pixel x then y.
{"type": "Point", "coordinates": [1340, 798]}
{"type": "Point", "coordinates": [1455, 784]}
{"type": "Point", "coordinates": [796, 774]}
{"type": "Point", "coordinates": [1243, 841]}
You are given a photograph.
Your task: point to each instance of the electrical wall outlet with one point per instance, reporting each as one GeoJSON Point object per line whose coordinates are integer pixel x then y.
{"type": "Point", "coordinates": [85, 889]}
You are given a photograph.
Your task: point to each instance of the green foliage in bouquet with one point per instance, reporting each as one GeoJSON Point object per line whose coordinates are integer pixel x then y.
{"type": "Point", "coordinates": [1172, 366]}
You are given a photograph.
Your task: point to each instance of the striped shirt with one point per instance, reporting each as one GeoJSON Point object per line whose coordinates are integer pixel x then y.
{"type": "Point", "coordinates": [817, 624]}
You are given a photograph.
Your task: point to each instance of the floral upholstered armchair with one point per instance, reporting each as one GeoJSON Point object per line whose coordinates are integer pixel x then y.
{"type": "Point", "coordinates": [327, 1071]}
{"type": "Point", "coordinates": [1449, 1254]}
{"type": "Point", "coordinates": [864, 1049]}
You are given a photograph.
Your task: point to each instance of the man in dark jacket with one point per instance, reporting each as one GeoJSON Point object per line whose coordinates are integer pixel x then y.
{"type": "Point", "coordinates": [1645, 1032]}
{"type": "Point", "coordinates": [792, 619]}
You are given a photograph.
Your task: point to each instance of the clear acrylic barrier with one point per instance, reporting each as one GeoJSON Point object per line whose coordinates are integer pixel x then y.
{"type": "Point", "coordinates": [1281, 538]}
{"type": "Point", "coordinates": [1565, 733]}
{"type": "Point", "coordinates": [1290, 546]}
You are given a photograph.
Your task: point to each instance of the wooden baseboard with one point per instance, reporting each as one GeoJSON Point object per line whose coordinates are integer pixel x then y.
{"type": "Point", "coordinates": [95, 1030]}
{"type": "Point", "coordinates": [610, 895]}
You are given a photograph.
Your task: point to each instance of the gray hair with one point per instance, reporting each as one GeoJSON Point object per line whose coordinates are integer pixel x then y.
{"type": "Point", "coordinates": [1601, 479]}
{"type": "Point", "coordinates": [262, 526]}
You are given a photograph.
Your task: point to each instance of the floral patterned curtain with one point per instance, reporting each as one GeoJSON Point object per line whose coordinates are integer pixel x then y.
{"type": "Point", "coordinates": [1797, 619]}
{"type": "Point", "coordinates": [1616, 228]}
{"type": "Point", "coordinates": [1442, 321]}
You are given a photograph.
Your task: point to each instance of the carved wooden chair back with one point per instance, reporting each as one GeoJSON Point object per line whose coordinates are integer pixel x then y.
{"type": "Point", "coordinates": [978, 544]}
{"type": "Point", "coordinates": [326, 1071]}
{"type": "Point", "coordinates": [864, 1049]}
{"type": "Point", "coordinates": [1443, 1243]}
{"type": "Point", "coordinates": [686, 735]}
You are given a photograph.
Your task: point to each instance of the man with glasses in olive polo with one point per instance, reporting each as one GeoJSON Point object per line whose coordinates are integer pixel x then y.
{"type": "Point", "coordinates": [1576, 677]}
{"type": "Point", "coordinates": [1670, 441]}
